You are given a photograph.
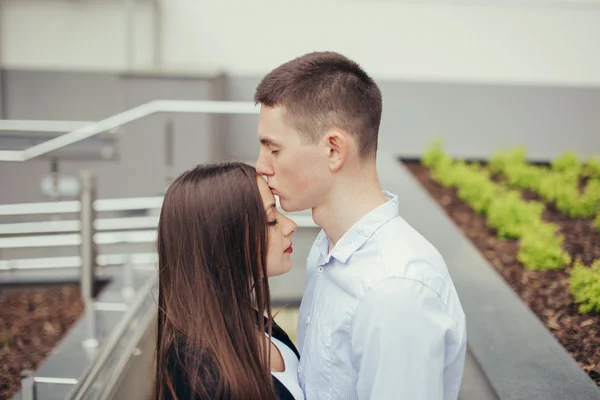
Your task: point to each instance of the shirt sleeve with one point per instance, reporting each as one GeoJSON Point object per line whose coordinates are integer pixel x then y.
{"type": "Point", "coordinates": [398, 341]}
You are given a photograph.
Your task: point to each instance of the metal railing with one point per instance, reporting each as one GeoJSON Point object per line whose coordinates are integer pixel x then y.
{"type": "Point", "coordinates": [88, 231]}
{"type": "Point", "coordinates": [133, 114]}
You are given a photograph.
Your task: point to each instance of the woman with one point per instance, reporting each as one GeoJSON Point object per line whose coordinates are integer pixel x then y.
{"type": "Point", "coordinates": [220, 236]}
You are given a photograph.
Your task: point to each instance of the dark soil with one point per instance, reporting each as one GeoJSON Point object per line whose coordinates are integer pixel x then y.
{"type": "Point", "coordinates": [545, 292]}
{"type": "Point", "coordinates": [32, 321]}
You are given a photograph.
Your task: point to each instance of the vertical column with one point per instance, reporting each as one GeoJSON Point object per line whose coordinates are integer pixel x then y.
{"type": "Point", "coordinates": [169, 152]}
{"type": "Point", "coordinates": [28, 389]}
{"type": "Point", "coordinates": [88, 252]}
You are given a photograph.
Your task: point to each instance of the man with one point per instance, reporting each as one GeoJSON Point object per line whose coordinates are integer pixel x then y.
{"type": "Point", "coordinates": [380, 318]}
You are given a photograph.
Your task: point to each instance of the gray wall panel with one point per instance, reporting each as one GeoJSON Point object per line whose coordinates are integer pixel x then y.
{"type": "Point", "coordinates": [140, 169]}
{"type": "Point", "coordinates": [473, 119]}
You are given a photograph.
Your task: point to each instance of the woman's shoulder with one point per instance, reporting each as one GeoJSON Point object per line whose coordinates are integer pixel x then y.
{"type": "Point", "coordinates": [281, 335]}
{"type": "Point", "coordinates": [183, 354]}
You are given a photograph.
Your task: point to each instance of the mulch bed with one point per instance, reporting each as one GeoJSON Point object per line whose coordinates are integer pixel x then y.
{"type": "Point", "coordinates": [32, 321]}
{"type": "Point", "coordinates": [545, 292]}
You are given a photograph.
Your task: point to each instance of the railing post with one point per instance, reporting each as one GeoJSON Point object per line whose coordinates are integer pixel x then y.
{"type": "Point", "coordinates": [88, 252]}
{"type": "Point", "coordinates": [28, 389]}
{"type": "Point", "coordinates": [169, 152]}
{"type": "Point", "coordinates": [128, 289]}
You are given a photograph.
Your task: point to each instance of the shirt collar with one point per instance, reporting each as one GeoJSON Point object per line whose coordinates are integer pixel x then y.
{"type": "Point", "coordinates": [359, 233]}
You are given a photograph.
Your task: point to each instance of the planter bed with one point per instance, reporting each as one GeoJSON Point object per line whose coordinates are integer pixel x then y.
{"type": "Point", "coordinates": [546, 292]}
{"type": "Point", "coordinates": [32, 322]}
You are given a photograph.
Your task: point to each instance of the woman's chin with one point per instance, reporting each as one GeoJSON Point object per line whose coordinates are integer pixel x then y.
{"type": "Point", "coordinates": [281, 271]}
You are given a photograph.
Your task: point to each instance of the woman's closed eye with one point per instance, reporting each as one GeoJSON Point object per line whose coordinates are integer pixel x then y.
{"type": "Point", "coordinates": [273, 223]}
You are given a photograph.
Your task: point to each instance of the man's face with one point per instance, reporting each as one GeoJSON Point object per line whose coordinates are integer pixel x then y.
{"type": "Point", "coordinates": [298, 173]}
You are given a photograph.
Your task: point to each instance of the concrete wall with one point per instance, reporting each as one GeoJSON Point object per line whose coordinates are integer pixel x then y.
{"type": "Point", "coordinates": [75, 35]}
{"type": "Point", "coordinates": [548, 42]}
{"type": "Point", "coordinates": [474, 120]}
{"type": "Point", "coordinates": [141, 168]}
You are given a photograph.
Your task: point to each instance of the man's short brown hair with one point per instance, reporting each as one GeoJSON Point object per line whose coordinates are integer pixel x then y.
{"type": "Point", "coordinates": [322, 90]}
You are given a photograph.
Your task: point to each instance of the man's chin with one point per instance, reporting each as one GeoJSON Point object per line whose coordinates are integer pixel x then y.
{"type": "Point", "coordinates": [290, 207]}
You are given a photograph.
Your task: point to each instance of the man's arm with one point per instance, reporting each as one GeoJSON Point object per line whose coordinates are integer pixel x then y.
{"type": "Point", "coordinates": [398, 341]}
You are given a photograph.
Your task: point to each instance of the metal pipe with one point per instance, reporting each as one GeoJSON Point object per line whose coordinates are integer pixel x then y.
{"type": "Point", "coordinates": [152, 107]}
{"type": "Point", "coordinates": [68, 226]}
{"type": "Point", "coordinates": [88, 248]}
{"type": "Point", "coordinates": [105, 238]}
{"type": "Point", "coordinates": [74, 206]}
{"type": "Point", "coordinates": [169, 151]}
{"type": "Point", "coordinates": [28, 388]}
{"type": "Point", "coordinates": [55, 381]}
{"type": "Point", "coordinates": [103, 260]}
{"type": "Point", "coordinates": [41, 126]}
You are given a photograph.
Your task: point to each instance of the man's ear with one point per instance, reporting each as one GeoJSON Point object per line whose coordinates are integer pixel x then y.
{"type": "Point", "coordinates": [337, 143]}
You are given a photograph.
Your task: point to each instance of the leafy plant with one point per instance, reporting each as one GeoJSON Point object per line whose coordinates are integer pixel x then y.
{"type": "Point", "coordinates": [540, 248]}
{"type": "Point", "coordinates": [500, 160]}
{"type": "Point", "coordinates": [568, 163]}
{"type": "Point", "coordinates": [435, 155]}
{"type": "Point", "coordinates": [506, 211]}
{"type": "Point", "coordinates": [585, 286]}
{"type": "Point", "coordinates": [559, 185]}
{"type": "Point", "coordinates": [597, 222]}
{"type": "Point", "coordinates": [511, 216]}
{"type": "Point", "coordinates": [591, 168]}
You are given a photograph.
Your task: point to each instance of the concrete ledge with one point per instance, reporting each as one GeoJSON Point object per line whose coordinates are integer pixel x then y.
{"type": "Point", "coordinates": [519, 356]}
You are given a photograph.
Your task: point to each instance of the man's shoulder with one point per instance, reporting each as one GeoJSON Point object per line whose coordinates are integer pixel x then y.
{"type": "Point", "coordinates": [398, 251]}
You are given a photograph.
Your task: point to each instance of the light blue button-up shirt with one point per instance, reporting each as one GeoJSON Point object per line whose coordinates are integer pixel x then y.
{"type": "Point", "coordinates": [380, 317]}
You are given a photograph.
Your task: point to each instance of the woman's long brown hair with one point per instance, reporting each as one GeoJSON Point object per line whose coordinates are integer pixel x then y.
{"type": "Point", "coordinates": [213, 291]}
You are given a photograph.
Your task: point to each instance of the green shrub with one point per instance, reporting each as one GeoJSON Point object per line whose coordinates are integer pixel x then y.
{"type": "Point", "coordinates": [551, 185]}
{"type": "Point", "coordinates": [582, 205]}
{"type": "Point", "coordinates": [524, 176]}
{"type": "Point", "coordinates": [435, 155]}
{"type": "Point", "coordinates": [475, 187]}
{"type": "Point", "coordinates": [568, 163]}
{"type": "Point", "coordinates": [510, 215]}
{"type": "Point", "coordinates": [502, 159]}
{"type": "Point", "coordinates": [506, 211]}
{"type": "Point", "coordinates": [559, 185]}
{"type": "Point", "coordinates": [540, 248]}
{"type": "Point", "coordinates": [597, 221]}
{"type": "Point", "coordinates": [585, 286]}
{"type": "Point", "coordinates": [591, 168]}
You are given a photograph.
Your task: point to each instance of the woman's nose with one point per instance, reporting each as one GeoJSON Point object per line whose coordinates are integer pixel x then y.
{"type": "Point", "coordinates": [291, 228]}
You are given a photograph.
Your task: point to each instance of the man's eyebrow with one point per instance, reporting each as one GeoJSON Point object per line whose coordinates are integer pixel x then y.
{"type": "Point", "coordinates": [268, 141]}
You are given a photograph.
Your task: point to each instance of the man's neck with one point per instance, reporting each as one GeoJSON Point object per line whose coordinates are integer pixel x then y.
{"type": "Point", "coordinates": [349, 201]}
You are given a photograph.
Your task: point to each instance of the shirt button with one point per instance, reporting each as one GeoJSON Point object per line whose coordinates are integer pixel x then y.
{"type": "Point", "coordinates": [308, 319]}
{"type": "Point", "coordinates": [299, 368]}
{"type": "Point", "coordinates": [320, 269]}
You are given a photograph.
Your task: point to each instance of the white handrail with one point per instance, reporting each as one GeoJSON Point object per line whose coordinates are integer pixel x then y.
{"type": "Point", "coordinates": [100, 224]}
{"type": "Point", "coordinates": [133, 114]}
{"type": "Point", "coordinates": [73, 206]}
{"type": "Point", "coordinates": [41, 126]}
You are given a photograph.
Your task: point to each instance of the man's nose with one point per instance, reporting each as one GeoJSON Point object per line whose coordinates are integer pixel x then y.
{"type": "Point", "coordinates": [262, 167]}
